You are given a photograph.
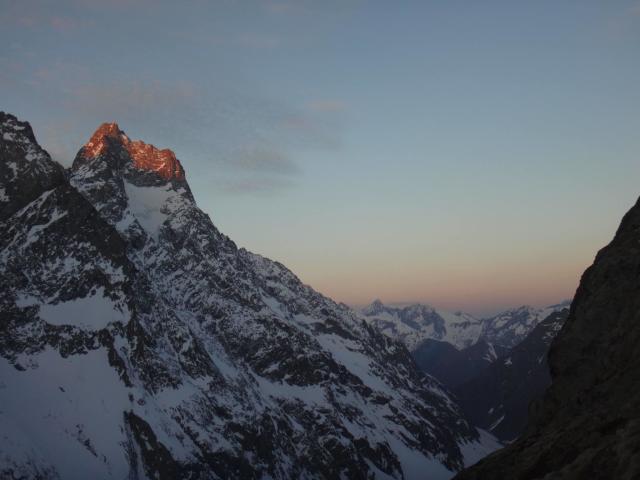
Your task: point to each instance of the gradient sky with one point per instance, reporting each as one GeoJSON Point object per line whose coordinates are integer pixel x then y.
{"type": "Point", "coordinates": [473, 155]}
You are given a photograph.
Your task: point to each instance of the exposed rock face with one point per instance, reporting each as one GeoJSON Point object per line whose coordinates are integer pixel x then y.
{"type": "Point", "coordinates": [588, 423]}
{"type": "Point", "coordinates": [142, 156]}
{"type": "Point", "coordinates": [138, 341]}
{"type": "Point", "coordinates": [498, 398]}
{"type": "Point", "coordinates": [26, 169]}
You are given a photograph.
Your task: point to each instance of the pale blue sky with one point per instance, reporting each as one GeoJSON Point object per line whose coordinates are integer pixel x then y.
{"type": "Point", "coordinates": [473, 155]}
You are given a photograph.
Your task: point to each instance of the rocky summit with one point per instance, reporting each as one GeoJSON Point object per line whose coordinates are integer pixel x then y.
{"type": "Point", "coordinates": [587, 425]}
{"type": "Point", "coordinates": [137, 341]}
{"type": "Point", "coordinates": [145, 157]}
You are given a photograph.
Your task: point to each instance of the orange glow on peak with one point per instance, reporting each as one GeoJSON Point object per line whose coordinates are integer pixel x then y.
{"type": "Point", "coordinates": [144, 156]}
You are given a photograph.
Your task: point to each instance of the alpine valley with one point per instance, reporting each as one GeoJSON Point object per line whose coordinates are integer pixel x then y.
{"type": "Point", "coordinates": [137, 341]}
{"type": "Point", "coordinates": [496, 366]}
{"type": "Point", "coordinates": [456, 347]}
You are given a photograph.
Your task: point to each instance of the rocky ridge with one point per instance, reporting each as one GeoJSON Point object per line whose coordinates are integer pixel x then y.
{"type": "Point", "coordinates": [416, 323]}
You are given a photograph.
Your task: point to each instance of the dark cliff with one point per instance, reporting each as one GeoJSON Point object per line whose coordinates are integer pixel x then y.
{"type": "Point", "coordinates": [588, 423]}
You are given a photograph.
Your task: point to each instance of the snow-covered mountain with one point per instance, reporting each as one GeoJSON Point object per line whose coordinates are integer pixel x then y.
{"type": "Point", "coordinates": [415, 323]}
{"type": "Point", "coordinates": [456, 347]}
{"type": "Point", "coordinates": [412, 324]}
{"type": "Point", "coordinates": [138, 341]}
{"type": "Point", "coordinates": [510, 327]}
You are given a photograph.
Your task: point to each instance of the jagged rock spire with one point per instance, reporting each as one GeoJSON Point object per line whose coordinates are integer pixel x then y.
{"type": "Point", "coordinates": [143, 156]}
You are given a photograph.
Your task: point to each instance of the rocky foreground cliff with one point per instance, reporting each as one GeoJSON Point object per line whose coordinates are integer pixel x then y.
{"type": "Point", "coordinates": [587, 426]}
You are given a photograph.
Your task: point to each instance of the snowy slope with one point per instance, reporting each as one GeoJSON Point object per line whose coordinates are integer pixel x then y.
{"type": "Point", "coordinates": [510, 327]}
{"type": "Point", "coordinates": [138, 341]}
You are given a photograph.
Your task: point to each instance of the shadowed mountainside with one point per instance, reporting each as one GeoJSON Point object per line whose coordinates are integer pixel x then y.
{"type": "Point", "coordinates": [498, 398]}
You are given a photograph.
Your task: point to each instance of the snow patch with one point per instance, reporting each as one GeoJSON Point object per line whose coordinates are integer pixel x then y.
{"type": "Point", "coordinates": [67, 409]}
{"type": "Point", "coordinates": [93, 312]}
{"type": "Point", "coordinates": [475, 451]}
{"type": "Point", "coordinates": [146, 204]}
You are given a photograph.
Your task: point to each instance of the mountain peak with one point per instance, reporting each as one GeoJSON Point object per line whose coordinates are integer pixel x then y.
{"type": "Point", "coordinates": [98, 143]}
{"type": "Point", "coordinates": [144, 156]}
{"type": "Point", "coordinates": [26, 170]}
{"type": "Point", "coordinates": [374, 307]}
{"type": "Point", "coordinates": [377, 303]}
{"type": "Point", "coordinates": [109, 128]}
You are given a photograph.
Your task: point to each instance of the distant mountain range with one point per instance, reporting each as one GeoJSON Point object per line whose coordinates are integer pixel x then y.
{"type": "Point", "coordinates": [137, 341]}
{"type": "Point", "coordinates": [455, 347]}
{"type": "Point", "coordinates": [495, 366]}
{"type": "Point", "coordinates": [413, 324]}
{"type": "Point", "coordinates": [510, 327]}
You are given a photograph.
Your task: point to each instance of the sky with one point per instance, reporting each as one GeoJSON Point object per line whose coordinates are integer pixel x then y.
{"type": "Point", "coordinates": [471, 155]}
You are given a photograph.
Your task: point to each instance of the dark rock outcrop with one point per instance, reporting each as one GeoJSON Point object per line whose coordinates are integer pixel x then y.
{"type": "Point", "coordinates": [26, 169]}
{"type": "Point", "coordinates": [588, 423]}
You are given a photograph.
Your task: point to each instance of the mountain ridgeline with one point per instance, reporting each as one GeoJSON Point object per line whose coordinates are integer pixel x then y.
{"type": "Point", "coordinates": [455, 347]}
{"type": "Point", "coordinates": [138, 341]}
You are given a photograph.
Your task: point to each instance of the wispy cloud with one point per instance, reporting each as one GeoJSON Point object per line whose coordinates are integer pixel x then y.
{"type": "Point", "coordinates": [279, 7]}
{"type": "Point", "coordinates": [326, 105]}
{"type": "Point", "coordinates": [263, 159]}
{"type": "Point", "coordinates": [69, 24]}
{"type": "Point", "coordinates": [43, 15]}
{"type": "Point", "coordinates": [115, 99]}
{"type": "Point", "coordinates": [101, 4]}
{"type": "Point", "coordinates": [248, 139]}
{"type": "Point", "coordinates": [625, 22]}
{"type": "Point", "coordinates": [256, 186]}
{"type": "Point", "coordinates": [283, 7]}
{"type": "Point", "coordinates": [258, 41]}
